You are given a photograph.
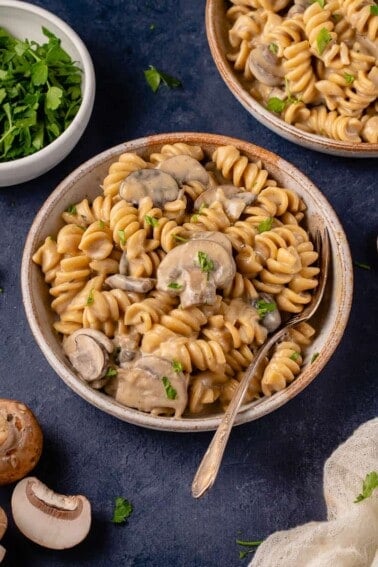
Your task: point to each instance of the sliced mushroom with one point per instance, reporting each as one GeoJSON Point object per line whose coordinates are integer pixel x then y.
{"type": "Point", "coordinates": [127, 347]}
{"type": "Point", "coordinates": [272, 320]}
{"type": "Point", "coordinates": [21, 441]}
{"type": "Point", "coordinates": [128, 283]}
{"type": "Point", "coordinates": [3, 528]}
{"type": "Point", "coordinates": [52, 520]}
{"type": "Point", "coordinates": [124, 264]}
{"type": "Point", "coordinates": [234, 200]}
{"type": "Point", "coordinates": [87, 350]}
{"type": "Point", "coordinates": [185, 169]}
{"type": "Point", "coordinates": [156, 184]}
{"type": "Point", "coordinates": [196, 269]}
{"type": "Point", "coordinates": [151, 385]}
{"type": "Point", "coordinates": [266, 66]}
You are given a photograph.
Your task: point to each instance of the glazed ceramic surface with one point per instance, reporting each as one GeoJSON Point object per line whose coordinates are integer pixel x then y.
{"type": "Point", "coordinates": [217, 27]}
{"type": "Point", "coordinates": [85, 181]}
{"type": "Point", "coordinates": [25, 21]}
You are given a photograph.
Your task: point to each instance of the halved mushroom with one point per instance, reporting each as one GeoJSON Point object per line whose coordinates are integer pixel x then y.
{"type": "Point", "coordinates": [234, 199]}
{"type": "Point", "coordinates": [128, 283]}
{"type": "Point", "coordinates": [151, 385]}
{"type": "Point", "coordinates": [266, 66]}
{"type": "Point", "coordinates": [87, 350]}
{"type": "Point", "coordinates": [52, 520]}
{"type": "Point", "coordinates": [158, 185]}
{"type": "Point", "coordinates": [271, 317]}
{"type": "Point", "coordinates": [21, 441]}
{"type": "Point", "coordinates": [3, 529]}
{"type": "Point", "coordinates": [185, 169]}
{"type": "Point", "coordinates": [196, 269]}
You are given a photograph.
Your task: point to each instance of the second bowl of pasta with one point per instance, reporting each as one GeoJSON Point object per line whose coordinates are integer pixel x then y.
{"type": "Point", "coordinates": [306, 70]}
{"type": "Point", "coordinates": [155, 271]}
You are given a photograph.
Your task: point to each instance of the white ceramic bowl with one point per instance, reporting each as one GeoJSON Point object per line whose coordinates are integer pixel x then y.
{"type": "Point", "coordinates": [217, 27]}
{"type": "Point", "coordinates": [25, 21]}
{"type": "Point", "coordinates": [330, 320]}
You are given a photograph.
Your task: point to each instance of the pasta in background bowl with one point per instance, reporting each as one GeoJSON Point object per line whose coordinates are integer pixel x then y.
{"type": "Point", "coordinates": [306, 70]}
{"type": "Point", "coordinates": [187, 277]}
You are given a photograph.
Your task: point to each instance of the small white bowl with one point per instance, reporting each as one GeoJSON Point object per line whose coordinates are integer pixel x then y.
{"type": "Point", "coordinates": [85, 181]}
{"type": "Point", "coordinates": [217, 27]}
{"type": "Point", "coordinates": [25, 21]}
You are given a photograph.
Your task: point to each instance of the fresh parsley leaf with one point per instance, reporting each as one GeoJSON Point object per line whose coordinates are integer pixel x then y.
{"type": "Point", "coordinates": [322, 40]}
{"type": "Point", "coordinates": [177, 366]}
{"type": "Point", "coordinates": [263, 307]}
{"type": "Point", "coordinates": [374, 10]}
{"type": "Point", "coordinates": [169, 389]}
{"type": "Point", "coordinates": [154, 78]}
{"type": "Point", "coordinates": [111, 372]}
{"type": "Point", "coordinates": [122, 510]}
{"type": "Point", "coordinates": [53, 98]}
{"type": "Point", "coordinates": [320, 2]}
{"type": "Point", "coordinates": [90, 298]}
{"type": "Point", "coordinates": [122, 237]}
{"type": "Point", "coordinates": [295, 356]}
{"type": "Point", "coordinates": [174, 285]}
{"type": "Point", "coordinates": [205, 262]}
{"type": "Point", "coordinates": [369, 485]}
{"type": "Point", "coordinates": [151, 220]}
{"type": "Point", "coordinates": [361, 265]}
{"type": "Point", "coordinates": [101, 224]}
{"type": "Point", "coordinates": [249, 543]}
{"type": "Point", "coordinates": [314, 357]}
{"type": "Point", "coordinates": [71, 209]}
{"type": "Point", "coordinates": [273, 48]}
{"type": "Point", "coordinates": [349, 78]}
{"type": "Point", "coordinates": [180, 238]}
{"type": "Point", "coordinates": [276, 104]}
{"type": "Point", "coordinates": [265, 225]}
{"type": "Point", "coordinates": [39, 73]}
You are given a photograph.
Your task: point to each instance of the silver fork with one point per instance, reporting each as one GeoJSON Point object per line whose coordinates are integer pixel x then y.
{"type": "Point", "coordinates": [210, 464]}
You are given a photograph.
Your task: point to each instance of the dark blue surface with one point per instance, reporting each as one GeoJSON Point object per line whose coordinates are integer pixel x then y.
{"type": "Point", "coordinates": [271, 476]}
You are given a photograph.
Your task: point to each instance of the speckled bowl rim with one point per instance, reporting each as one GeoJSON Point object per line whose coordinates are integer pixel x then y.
{"type": "Point", "coordinates": [257, 409]}
{"type": "Point", "coordinates": [267, 118]}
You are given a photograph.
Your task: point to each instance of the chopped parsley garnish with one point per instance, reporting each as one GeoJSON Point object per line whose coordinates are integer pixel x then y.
{"type": "Point", "coordinates": [294, 356]}
{"type": "Point", "coordinates": [174, 285]}
{"type": "Point", "coordinates": [122, 237]}
{"type": "Point", "coordinates": [361, 265]}
{"type": "Point", "coordinates": [154, 78]}
{"type": "Point", "coordinates": [169, 389]}
{"type": "Point", "coordinates": [151, 220]}
{"type": "Point", "coordinates": [276, 104]}
{"type": "Point", "coordinates": [101, 224]}
{"type": "Point", "coordinates": [320, 2]}
{"type": "Point", "coordinates": [40, 93]}
{"type": "Point", "coordinates": [111, 372]}
{"type": "Point", "coordinates": [194, 217]}
{"type": "Point", "coordinates": [349, 78]}
{"type": "Point", "coordinates": [265, 225]}
{"type": "Point", "coordinates": [374, 10]}
{"type": "Point", "coordinates": [252, 545]}
{"type": "Point", "coordinates": [263, 307]}
{"type": "Point", "coordinates": [205, 262]}
{"type": "Point", "coordinates": [180, 238]}
{"type": "Point", "coordinates": [90, 298]}
{"type": "Point", "coordinates": [314, 357]}
{"type": "Point", "coordinates": [322, 40]}
{"type": "Point", "coordinates": [71, 210]}
{"type": "Point", "coordinates": [369, 484]}
{"type": "Point", "coordinates": [336, 17]}
{"type": "Point", "coordinates": [177, 366]}
{"type": "Point", "coordinates": [122, 510]}
{"type": "Point", "coordinates": [273, 48]}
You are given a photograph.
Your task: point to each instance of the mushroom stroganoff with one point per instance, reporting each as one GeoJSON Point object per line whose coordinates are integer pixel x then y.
{"type": "Point", "coordinates": [313, 62]}
{"type": "Point", "coordinates": [167, 284]}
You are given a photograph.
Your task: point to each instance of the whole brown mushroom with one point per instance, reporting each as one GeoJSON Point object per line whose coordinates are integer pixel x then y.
{"type": "Point", "coordinates": [21, 441]}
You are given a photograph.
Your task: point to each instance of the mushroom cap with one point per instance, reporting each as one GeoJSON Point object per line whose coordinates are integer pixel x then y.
{"type": "Point", "coordinates": [184, 169]}
{"type": "Point", "coordinates": [52, 520]}
{"type": "Point", "coordinates": [142, 386]}
{"type": "Point", "coordinates": [154, 183]}
{"type": "Point", "coordinates": [21, 441]}
{"type": "Point", "coordinates": [87, 350]}
{"type": "Point", "coordinates": [129, 283]}
{"type": "Point", "coordinates": [265, 66]}
{"type": "Point", "coordinates": [3, 523]}
{"type": "Point", "coordinates": [272, 320]}
{"type": "Point", "coordinates": [234, 199]}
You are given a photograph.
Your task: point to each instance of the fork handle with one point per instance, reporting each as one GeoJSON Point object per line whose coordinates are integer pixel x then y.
{"type": "Point", "coordinates": [209, 466]}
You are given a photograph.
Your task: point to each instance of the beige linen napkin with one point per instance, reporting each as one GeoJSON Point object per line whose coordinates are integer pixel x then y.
{"type": "Point", "coordinates": [350, 536]}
